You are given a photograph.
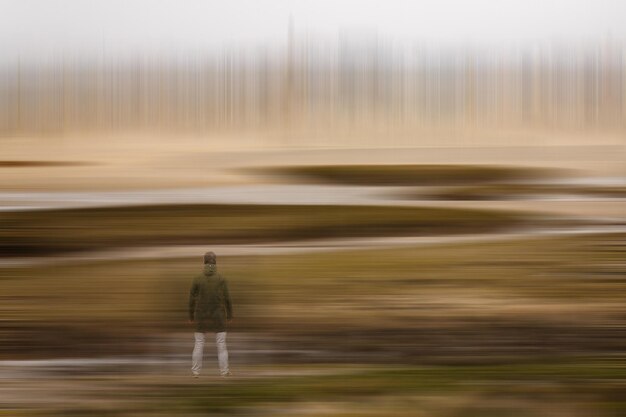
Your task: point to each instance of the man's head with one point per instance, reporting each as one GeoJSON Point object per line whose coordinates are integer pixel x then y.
{"type": "Point", "coordinates": [210, 258]}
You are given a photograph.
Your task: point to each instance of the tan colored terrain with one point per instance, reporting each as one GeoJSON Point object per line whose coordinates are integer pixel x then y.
{"type": "Point", "coordinates": [141, 161]}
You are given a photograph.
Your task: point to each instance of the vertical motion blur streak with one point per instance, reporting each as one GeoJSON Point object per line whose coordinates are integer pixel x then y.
{"type": "Point", "coordinates": [355, 82]}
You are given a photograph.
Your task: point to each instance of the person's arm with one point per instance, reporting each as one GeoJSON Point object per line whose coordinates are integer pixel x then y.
{"type": "Point", "coordinates": [193, 293]}
{"type": "Point", "coordinates": [227, 301]}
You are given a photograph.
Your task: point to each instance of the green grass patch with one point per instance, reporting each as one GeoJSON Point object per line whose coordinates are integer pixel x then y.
{"type": "Point", "coordinates": [228, 397]}
{"type": "Point", "coordinates": [574, 387]}
{"type": "Point", "coordinates": [525, 388]}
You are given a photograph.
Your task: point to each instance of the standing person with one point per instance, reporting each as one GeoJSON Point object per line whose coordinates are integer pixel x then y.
{"type": "Point", "coordinates": [210, 309]}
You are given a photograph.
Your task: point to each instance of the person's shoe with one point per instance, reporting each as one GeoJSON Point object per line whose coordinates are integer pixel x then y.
{"type": "Point", "coordinates": [195, 375]}
{"type": "Point", "coordinates": [226, 374]}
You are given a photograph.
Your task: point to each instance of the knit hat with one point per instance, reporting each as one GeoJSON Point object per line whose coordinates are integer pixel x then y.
{"type": "Point", "coordinates": [210, 258]}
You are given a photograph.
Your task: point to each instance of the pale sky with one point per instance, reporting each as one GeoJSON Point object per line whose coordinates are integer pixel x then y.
{"type": "Point", "coordinates": [38, 29]}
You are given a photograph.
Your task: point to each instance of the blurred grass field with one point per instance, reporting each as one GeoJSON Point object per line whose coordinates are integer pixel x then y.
{"type": "Point", "coordinates": [56, 231]}
{"type": "Point", "coordinates": [591, 387]}
{"type": "Point", "coordinates": [465, 302]}
{"type": "Point", "coordinates": [518, 327]}
{"type": "Point", "coordinates": [512, 328]}
{"type": "Point", "coordinates": [575, 389]}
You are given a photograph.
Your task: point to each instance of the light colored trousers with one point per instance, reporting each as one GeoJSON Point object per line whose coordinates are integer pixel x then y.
{"type": "Point", "coordinates": [198, 351]}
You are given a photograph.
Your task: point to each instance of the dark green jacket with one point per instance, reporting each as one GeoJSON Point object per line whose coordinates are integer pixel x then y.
{"type": "Point", "coordinates": [209, 302]}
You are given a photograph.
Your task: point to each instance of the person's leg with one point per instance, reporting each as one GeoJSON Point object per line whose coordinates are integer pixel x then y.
{"type": "Point", "coordinates": [222, 353]}
{"type": "Point", "coordinates": [198, 351]}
